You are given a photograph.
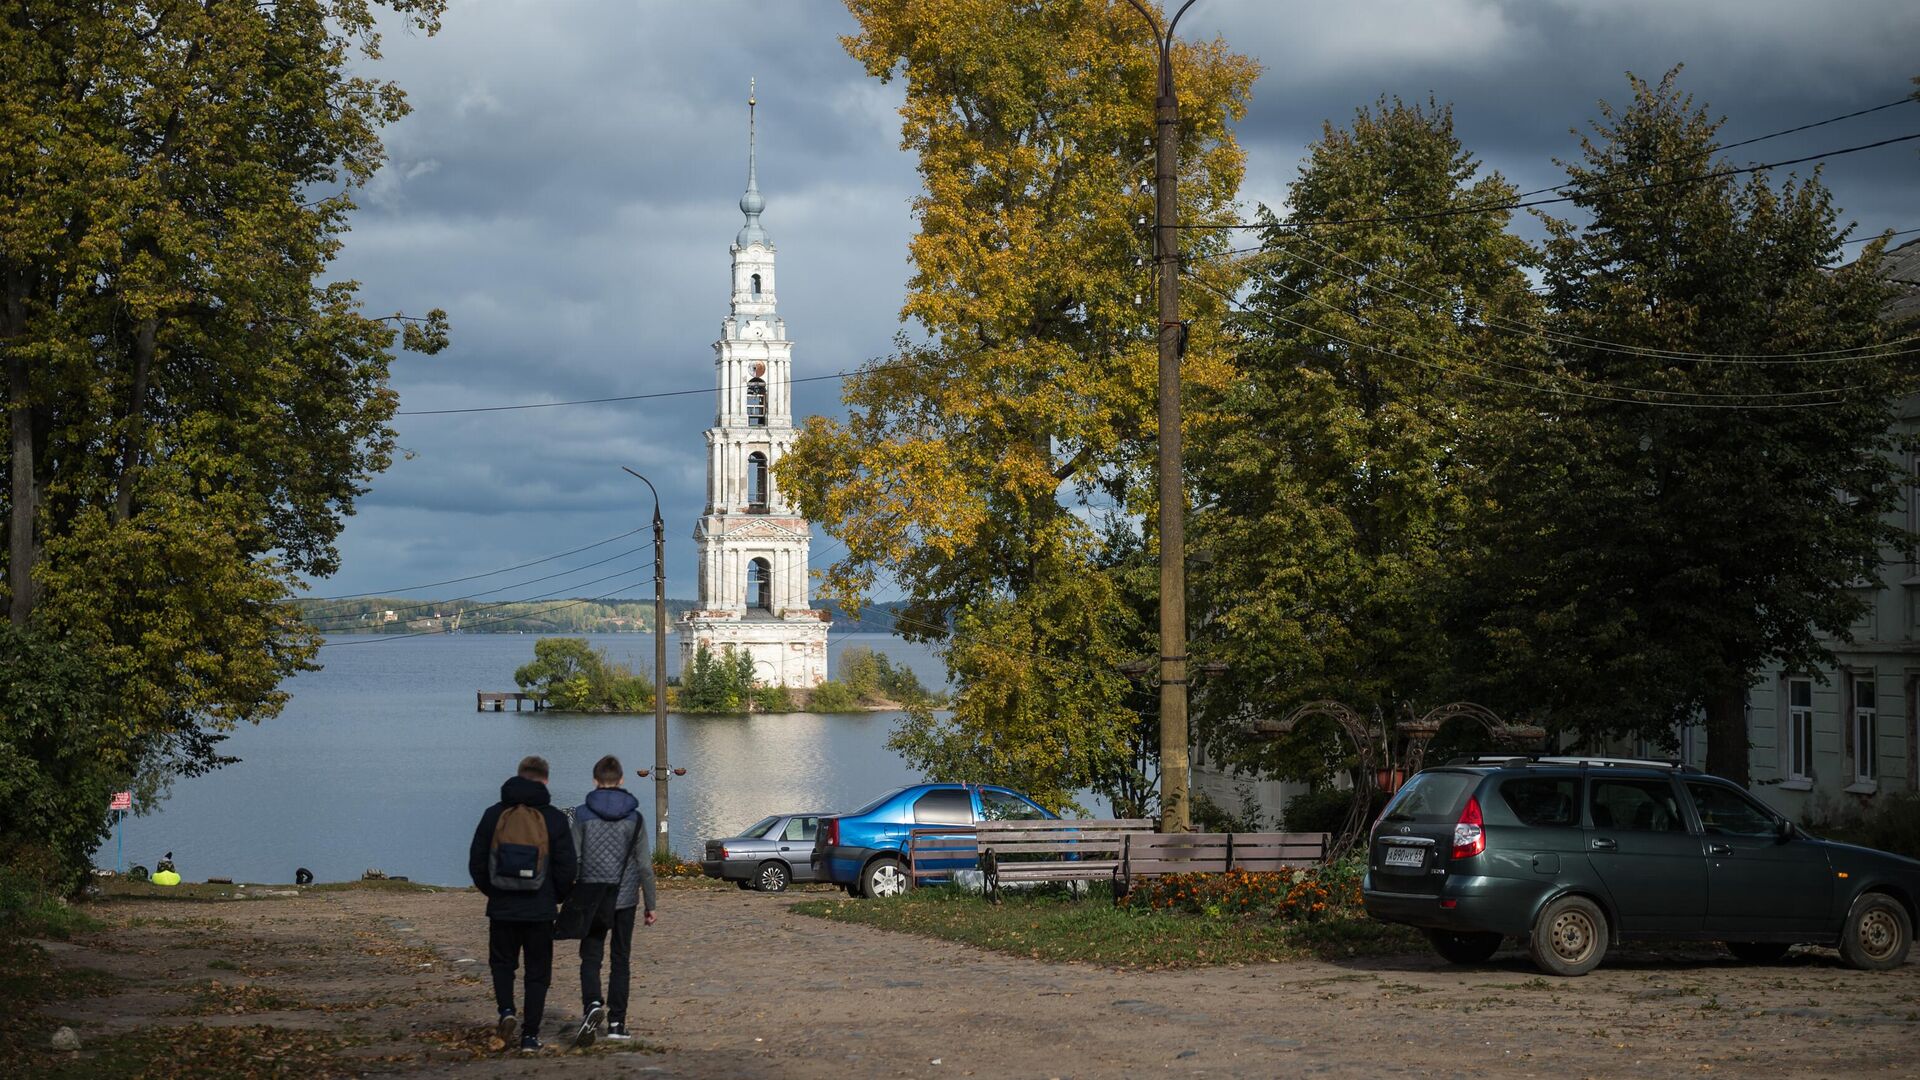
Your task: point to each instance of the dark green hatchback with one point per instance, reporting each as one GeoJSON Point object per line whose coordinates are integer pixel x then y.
{"type": "Point", "coordinates": [1573, 854]}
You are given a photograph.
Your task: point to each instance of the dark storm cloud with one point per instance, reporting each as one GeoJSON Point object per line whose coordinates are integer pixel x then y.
{"type": "Point", "coordinates": [565, 188]}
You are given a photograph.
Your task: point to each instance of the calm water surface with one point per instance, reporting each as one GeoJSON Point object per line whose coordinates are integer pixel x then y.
{"type": "Point", "coordinates": [380, 761]}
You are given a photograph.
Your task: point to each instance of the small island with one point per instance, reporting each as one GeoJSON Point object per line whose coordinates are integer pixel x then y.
{"type": "Point", "coordinates": [570, 675]}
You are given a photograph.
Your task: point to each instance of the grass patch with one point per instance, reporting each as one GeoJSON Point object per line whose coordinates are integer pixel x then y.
{"type": "Point", "coordinates": [29, 910]}
{"type": "Point", "coordinates": [1049, 925]}
{"type": "Point", "coordinates": [30, 979]}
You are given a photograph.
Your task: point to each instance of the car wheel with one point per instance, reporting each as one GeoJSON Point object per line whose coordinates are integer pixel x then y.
{"type": "Point", "coordinates": [773, 877]}
{"type": "Point", "coordinates": [1878, 934]}
{"type": "Point", "coordinates": [1569, 937]}
{"type": "Point", "coordinates": [883, 878]}
{"type": "Point", "coordinates": [1464, 948]}
{"type": "Point", "coordinates": [1758, 952]}
{"type": "Point", "coordinates": [744, 884]}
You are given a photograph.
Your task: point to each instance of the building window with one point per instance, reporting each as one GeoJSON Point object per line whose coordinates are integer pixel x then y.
{"type": "Point", "coordinates": [756, 286]}
{"type": "Point", "coordinates": [1799, 729]}
{"type": "Point", "coordinates": [757, 482]}
{"type": "Point", "coordinates": [756, 402]}
{"type": "Point", "coordinates": [1866, 729]}
{"type": "Point", "coordinates": [760, 585]}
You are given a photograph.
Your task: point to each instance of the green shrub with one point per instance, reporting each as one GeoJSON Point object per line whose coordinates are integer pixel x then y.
{"type": "Point", "coordinates": [1324, 809]}
{"type": "Point", "coordinates": [1288, 895]}
{"type": "Point", "coordinates": [1210, 816]}
{"type": "Point", "coordinates": [54, 742]}
{"type": "Point", "coordinates": [772, 699]}
{"type": "Point", "coordinates": [29, 909]}
{"type": "Point", "coordinates": [870, 676]}
{"type": "Point", "coordinates": [832, 697]}
{"type": "Point", "coordinates": [1889, 823]}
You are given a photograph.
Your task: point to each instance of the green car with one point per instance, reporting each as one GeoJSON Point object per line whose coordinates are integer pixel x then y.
{"type": "Point", "coordinates": [1572, 854]}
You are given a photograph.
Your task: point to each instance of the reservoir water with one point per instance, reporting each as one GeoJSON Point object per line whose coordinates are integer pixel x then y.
{"type": "Point", "coordinates": [380, 761]}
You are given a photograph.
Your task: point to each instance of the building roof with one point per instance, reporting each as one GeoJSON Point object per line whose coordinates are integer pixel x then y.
{"type": "Point", "coordinates": [1901, 265]}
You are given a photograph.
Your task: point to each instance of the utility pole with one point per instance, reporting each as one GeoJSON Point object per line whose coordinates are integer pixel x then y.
{"type": "Point", "coordinates": [661, 774]}
{"type": "Point", "coordinates": [1174, 816]}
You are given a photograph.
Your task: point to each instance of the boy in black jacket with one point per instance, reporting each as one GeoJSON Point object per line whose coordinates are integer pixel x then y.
{"type": "Point", "coordinates": [521, 921]}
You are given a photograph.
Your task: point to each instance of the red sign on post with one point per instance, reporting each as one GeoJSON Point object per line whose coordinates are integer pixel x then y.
{"type": "Point", "coordinates": [122, 800]}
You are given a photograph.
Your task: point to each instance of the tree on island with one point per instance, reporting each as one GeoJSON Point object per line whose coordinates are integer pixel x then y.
{"type": "Point", "coordinates": [575, 677]}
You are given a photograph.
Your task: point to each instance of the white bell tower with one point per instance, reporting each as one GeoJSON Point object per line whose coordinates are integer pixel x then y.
{"type": "Point", "coordinates": [753, 545]}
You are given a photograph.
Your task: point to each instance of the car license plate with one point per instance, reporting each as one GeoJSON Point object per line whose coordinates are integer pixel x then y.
{"type": "Point", "coordinates": [1404, 856]}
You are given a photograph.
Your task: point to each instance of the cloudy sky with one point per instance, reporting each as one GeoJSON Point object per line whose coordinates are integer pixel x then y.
{"type": "Point", "coordinates": [566, 189]}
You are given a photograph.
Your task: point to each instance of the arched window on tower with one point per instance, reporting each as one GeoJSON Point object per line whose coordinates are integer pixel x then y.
{"type": "Point", "coordinates": [760, 585]}
{"type": "Point", "coordinates": [756, 402]}
{"type": "Point", "coordinates": [756, 483]}
{"type": "Point", "coordinates": [756, 286]}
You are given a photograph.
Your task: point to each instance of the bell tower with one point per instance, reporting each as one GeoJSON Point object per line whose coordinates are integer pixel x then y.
{"type": "Point", "coordinates": [753, 545]}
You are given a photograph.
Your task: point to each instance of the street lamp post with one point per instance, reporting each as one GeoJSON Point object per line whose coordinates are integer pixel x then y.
{"type": "Point", "coordinates": [1173, 500]}
{"type": "Point", "coordinates": [660, 770]}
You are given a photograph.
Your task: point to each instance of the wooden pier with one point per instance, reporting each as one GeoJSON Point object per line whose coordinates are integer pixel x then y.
{"type": "Point", "coordinates": [484, 698]}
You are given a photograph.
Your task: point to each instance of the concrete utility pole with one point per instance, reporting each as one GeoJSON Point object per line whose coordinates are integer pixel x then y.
{"type": "Point", "coordinates": [661, 774]}
{"type": "Point", "coordinates": [1173, 497]}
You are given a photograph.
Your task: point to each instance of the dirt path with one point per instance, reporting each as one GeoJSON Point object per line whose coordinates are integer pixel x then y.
{"type": "Point", "coordinates": [733, 984]}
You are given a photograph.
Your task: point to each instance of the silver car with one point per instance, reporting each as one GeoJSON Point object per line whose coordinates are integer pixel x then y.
{"type": "Point", "coordinates": [769, 855]}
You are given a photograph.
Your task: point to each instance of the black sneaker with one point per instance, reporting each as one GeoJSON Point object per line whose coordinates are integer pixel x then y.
{"type": "Point", "coordinates": [530, 1044]}
{"type": "Point", "coordinates": [508, 1028]}
{"type": "Point", "coordinates": [590, 1027]}
{"type": "Point", "coordinates": [617, 1031]}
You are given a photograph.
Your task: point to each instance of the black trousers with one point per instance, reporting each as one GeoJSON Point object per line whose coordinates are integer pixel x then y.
{"type": "Point", "coordinates": [619, 972]}
{"type": "Point", "coordinates": [506, 941]}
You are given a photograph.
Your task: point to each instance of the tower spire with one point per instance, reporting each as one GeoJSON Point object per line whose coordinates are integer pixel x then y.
{"type": "Point", "coordinates": [751, 203]}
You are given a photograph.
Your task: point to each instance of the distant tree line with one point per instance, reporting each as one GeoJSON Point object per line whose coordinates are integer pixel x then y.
{"type": "Point", "coordinates": [575, 677]}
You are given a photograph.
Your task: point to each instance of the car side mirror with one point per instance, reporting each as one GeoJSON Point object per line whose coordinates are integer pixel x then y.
{"type": "Point", "coordinates": [1782, 830]}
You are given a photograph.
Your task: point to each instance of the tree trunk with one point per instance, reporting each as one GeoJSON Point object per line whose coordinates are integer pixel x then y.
{"type": "Point", "coordinates": [20, 548]}
{"type": "Point", "coordinates": [144, 339]}
{"type": "Point", "coordinates": [1728, 741]}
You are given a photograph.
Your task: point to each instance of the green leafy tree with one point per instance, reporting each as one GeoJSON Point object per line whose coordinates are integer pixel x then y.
{"type": "Point", "coordinates": [1030, 122]}
{"type": "Point", "coordinates": [1659, 545]}
{"type": "Point", "coordinates": [192, 409]}
{"type": "Point", "coordinates": [832, 697]}
{"type": "Point", "coordinates": [1344, 465]}
{"type": "Point", "coordinates": [54, 782]}
{"type": "Point", "coordinates": [720, 682]}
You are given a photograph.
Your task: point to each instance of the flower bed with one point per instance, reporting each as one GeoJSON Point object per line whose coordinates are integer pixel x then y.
{"type": "Point", "coordinates": [1288, 895]}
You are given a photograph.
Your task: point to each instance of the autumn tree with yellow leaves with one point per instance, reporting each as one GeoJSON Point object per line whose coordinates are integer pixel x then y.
{"type": "Point", "coordinates": [973, 465]}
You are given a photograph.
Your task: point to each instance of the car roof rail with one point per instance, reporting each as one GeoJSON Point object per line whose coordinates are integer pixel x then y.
{"type": "Point", "coordinates": [1517, 760]}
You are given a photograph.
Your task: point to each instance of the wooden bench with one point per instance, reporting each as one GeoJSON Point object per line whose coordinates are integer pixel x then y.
{"type": "Point", "coordinates": [1065, 850]}
{"type": "Point", "coordinates": [936, 851]}
{"type": "Point", "coordinates": [1146, 855]}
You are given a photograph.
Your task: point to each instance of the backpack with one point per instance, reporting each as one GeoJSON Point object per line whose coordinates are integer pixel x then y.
{"type": "Point", "coordinates": [517, 862]}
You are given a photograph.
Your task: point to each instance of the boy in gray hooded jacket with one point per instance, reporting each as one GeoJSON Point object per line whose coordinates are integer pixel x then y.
{"type": "Point", "coordinates": [607, 832]}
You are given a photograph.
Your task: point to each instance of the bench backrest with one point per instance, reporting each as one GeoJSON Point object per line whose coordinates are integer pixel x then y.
{"type": "Point", "coordinates": [1213, 853]}
{"type": "Point", "coordinates": [1081, 837]}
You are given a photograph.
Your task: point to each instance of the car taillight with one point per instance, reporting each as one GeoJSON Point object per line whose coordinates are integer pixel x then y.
{"type": "Point", "coordinates": [831, 827]}
{"type": "Point", "coordinates": [1469, 839]}
{"type": "Point", "coordinates": [724, 854]}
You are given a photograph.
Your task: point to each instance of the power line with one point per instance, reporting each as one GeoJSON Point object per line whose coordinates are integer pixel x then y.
{"type": "Point", "coordinates": [1362, 320]}
{"type": "Point", "coordinates": [1906, 100]}
{"type": "Point", "coordinates": [1880, 351]}
{"type": "Point", "coordinates": [1497, 381]}
{"type": "Point", "coordinates": [315, 619]}
{"type": "Point", "coordinates": [1524, 203]}
{"type": "Point", "coordinates": [374, 639]}
{"type": "Point", "coordinates": [476, 577]}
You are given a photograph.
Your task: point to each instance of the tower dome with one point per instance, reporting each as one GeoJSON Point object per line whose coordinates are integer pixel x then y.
{"type": "Point", "coordinates": [751, 203]}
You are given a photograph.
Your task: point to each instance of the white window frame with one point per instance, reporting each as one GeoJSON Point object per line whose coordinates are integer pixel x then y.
{"type": "Point", "coordinates": [1866, 729]}
{"type": "Point", "coordinates": [1799, 731]}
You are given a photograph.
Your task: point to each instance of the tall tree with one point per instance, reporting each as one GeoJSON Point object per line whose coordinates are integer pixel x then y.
{"type": "Point", "coordinates": [192, 408]}
{"type": "Point", "coordinates": [1346, 462]}
{"type": "Point", "coordinates": [1667, 538]}
{"type": "Point", "coordinates": [1032, 123]}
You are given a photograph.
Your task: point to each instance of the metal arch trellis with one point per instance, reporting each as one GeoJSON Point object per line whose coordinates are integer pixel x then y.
{"type": "Point", "coordinates": [1370, 747]}
{"type": "Point", "coordinates": [1420, 732]}
{"type": "Point", "coordinates": [1374, 743]}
